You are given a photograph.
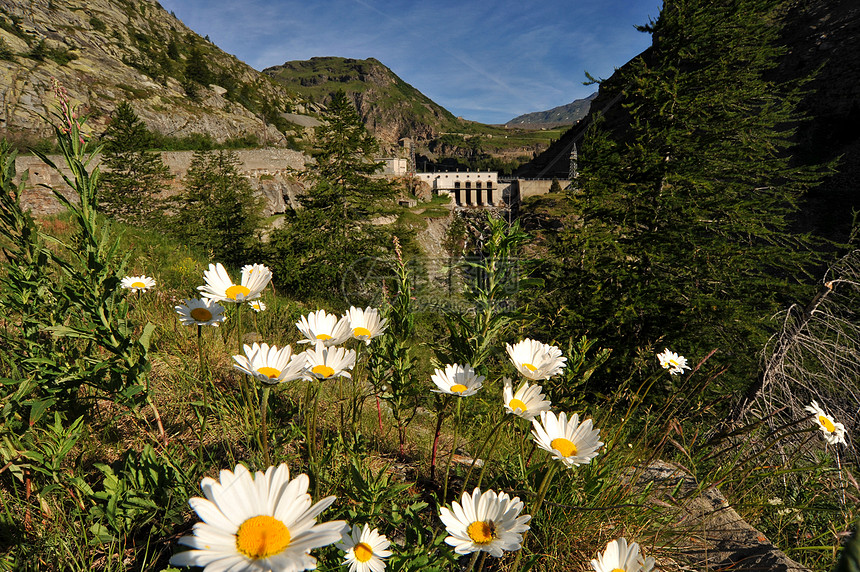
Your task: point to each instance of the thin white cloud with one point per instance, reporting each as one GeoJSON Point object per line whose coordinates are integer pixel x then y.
{"type": "Point", "coordinates": [487, 61]}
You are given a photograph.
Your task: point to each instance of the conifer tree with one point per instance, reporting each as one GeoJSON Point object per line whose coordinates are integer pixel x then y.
{"type": "Point", "coordinates": [344, 162]}
{"type": "Point", "coordinates": [685, 212]}
{"type": "Point", "coordinates": [219, 211]}
{"type": "Point", "coordinates": [133, 174]}
{"type": "Point", "coordinates": [321, 242]}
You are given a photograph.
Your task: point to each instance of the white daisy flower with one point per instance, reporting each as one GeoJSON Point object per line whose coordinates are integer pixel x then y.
{"type": "Point", "coordinates": [324, 327]}
{"type": "Point", "coordinates": [527, 402]}
{"type": "Point", "coordinates": [571, 442]}
{"type": "Point", "coordinates": [834, 433]}
{"type": "Point", "coordinates": [257, 305]}
{"type": "Point", "coordinates": [257, 523]}
{"type": "Point", "coordinates": [673, 362]}
{"type": "Point", "coordinates": [535, 360]}
{"type": "Point", "coordinates": [489, 522]}
{"type": "Point", "coordinates": [327, 362]}
{"type": "Point", "coordinates": [137, 283]}
{"type": "Point", "coordinates": [270, 364]}
{"type": "Point", "coordinates": [199, 312]}
{"type": "Point", "coordinates": [220, 287]}
{"type": "Point", "coordinates": [366, 324]}
{"type": "Point", "coordinates": [621, 557]}
{"type": "Point", "coordinates": [457, 380]}
{"type": "Point", "coordinates": [365, 549]}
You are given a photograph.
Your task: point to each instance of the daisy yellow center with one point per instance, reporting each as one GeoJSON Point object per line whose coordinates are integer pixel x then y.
{"type": "Point", "coordinates": [201, 314]}
{"type": "Point", "coordinates": [458, 388]}
{"type": "Point", "coordinates": [618, 570]}
{"type": "Point", "coordinates": [563, 446]}
{"type": "Point", "coordinates": [323, 370]}
{"type": "Point", "coordinates": [323, 337]}
{"type": "Point", "coordinates": [138, 284]}
{"type": "Point", "coordinates": [262, 536]}
{"type": "Point", "coordinates": [529, 367]}
{"type": "Point", "coordinates": [362, 552]}
{"type": "Point", "coordinates": [269, 372]}
{"type": "Point", "coordinates": [361, 332]}
{"type": "Point", "coordinates": [827, 423]}
{"type": "Point", "coordinates": [481, 532]}
{"type": "Point", "coordinates": [517, 404]}
{"type": "Point", "coordinates": [236, 290]}
{"type": "Point", "coordinates": [673, 362]}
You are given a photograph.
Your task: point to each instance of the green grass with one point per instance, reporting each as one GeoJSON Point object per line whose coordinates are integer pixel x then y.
{"type": "Point", "coordinates": [56, 510]}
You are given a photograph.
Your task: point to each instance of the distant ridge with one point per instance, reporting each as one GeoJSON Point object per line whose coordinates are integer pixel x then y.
{"type": "Point", "coordinates": [562, 115]}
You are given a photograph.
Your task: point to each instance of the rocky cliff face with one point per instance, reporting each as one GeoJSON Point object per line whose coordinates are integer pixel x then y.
{"type": "Point", "coordinates": [107, 51]}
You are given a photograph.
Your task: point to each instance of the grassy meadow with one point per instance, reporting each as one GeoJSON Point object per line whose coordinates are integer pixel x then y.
{"type": "Point", "coordinates": [114, 412]}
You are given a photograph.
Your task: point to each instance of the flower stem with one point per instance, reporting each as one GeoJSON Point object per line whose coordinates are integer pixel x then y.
{"type": "Point", "coordinates": [239, 326]}
{"type": "Point", "coordinates": [482, 560]}
{"type": "Point", "coordinates": [487, 460]}
{"type": "Point", "coordinates": [379, 418]}
{"type": "Point", "coordinates": [451, 454]}
{"type": "Point", "coordinates": [440, 417]}
{"type": "Point", "coordinates": [311, 421]}
{"type": "Point", "coordinates": [204, 379]}
{"type": "Point", "coordinates": [264, 433]}
{"type": "Point", "coordinates": [544, 485]}
{"type": "Point", "coordinates": [472, 560]}
{"type": "Point", "coordinates": [492, 432]}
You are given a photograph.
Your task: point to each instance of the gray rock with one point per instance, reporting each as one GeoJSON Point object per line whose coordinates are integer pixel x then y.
{"type": "Point", "coordinates": [717, 537]}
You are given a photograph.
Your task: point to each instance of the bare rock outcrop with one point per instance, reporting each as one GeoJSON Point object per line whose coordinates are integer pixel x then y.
{"type": "Point", "coordinates": [717, 538]}
{"type": "Point", "coordinates": [117, 50]}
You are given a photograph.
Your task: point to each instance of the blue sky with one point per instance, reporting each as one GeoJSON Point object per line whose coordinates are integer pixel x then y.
{"type": "Point", "coordinates": [484, 60]}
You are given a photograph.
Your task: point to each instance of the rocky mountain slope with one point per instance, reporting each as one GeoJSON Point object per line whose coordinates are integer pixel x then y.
{"type": "Point", "coordinates": [107, 51]}
{"type": "Point", "coordinates": [390, 107]}
{"type": "Point", "coordinates": [562, 115]}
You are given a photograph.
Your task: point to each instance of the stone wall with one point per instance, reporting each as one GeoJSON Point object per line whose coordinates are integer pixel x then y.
{"type": "Point", "coordinates": [270, 172]}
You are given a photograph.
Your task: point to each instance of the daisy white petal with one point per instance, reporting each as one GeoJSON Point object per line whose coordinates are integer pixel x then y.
{"type": "Point", "coordinates": [365, 549]}
{"type": "Point", "coordinates": [619, 556]}
{"type": "Point", "coordinates": [137, 283]}
{"type": "Point", "coordinates": [270, 364]}
{"type": "Point", "coordinates": [458, 380]}
{"type": "Point", "coordinates": [366, 324]}
{"type": "Point", "coordinates": [834, 432]}
{"type": "Point", "coordinates": [255, 277]}
{"type": "Point", "coordinates": [487, 522]}
{"type": "Point", "coordinates": [535, 360]}
{"type": "Point", "coordinates": [676, 364]}
{"type": "Point", "coordinates": [251, 534]}
{"type": "Point", "coordinates": [569, 441]}
{"type": "Point", "coordinates": [328, 362]}
{"type": "Point", "coordinates": [528, 402]}
{"type": "Point", "coordinates": [324, 327]}
{"type": "Point", "coordinates": [199, 312]}
{"type": "Point", "coordinates": [220, 287]}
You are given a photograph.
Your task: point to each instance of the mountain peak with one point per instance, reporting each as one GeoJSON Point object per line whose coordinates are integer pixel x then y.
{"type": "Point", "coordinates": [562, 115]}
{"type": "Point", "coordinates": [390, 107]}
